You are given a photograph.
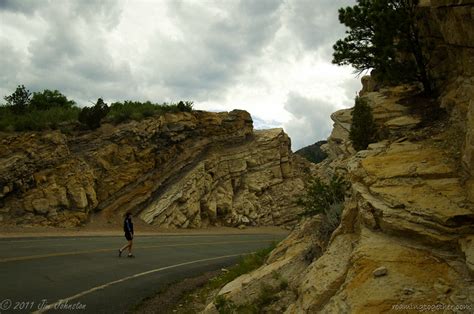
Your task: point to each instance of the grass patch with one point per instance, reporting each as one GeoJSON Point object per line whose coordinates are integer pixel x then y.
{"type": "Point", "coordinates": [246, 264]}
{"type": "Point", "coordinates": [266, 296]}
{"type": "Point", "coordinates": [198, 299]}
{"type": "Point", "coordinates": [36, 120]}
{"type": "Point", "coordinates": [135, 110]}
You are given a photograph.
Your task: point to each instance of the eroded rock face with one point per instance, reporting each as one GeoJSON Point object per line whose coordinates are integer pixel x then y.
{"type": "Point", "coordinates": [176, 170]}
{"type": "Point", "coordinates": [448, 27]}
{"type": "Point", "coordinates": [407, 230]}
{"type": "Point", "coordinates": [250, 184]}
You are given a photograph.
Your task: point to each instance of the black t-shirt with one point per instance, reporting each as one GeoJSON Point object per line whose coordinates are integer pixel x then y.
{"type": "Point", "coordinates": [128, 225]}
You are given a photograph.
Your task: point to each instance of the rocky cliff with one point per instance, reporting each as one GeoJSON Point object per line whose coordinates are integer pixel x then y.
{"type": "Point", "coordinates": [406, 238]}
{"type": "Point", "coordinates": [177, 170]}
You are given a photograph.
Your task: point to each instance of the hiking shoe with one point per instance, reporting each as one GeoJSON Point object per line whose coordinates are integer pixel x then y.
{"type": "Point", "coordinates": [120, 253]}
{"type": "Point", "coordinates": [131, 255]}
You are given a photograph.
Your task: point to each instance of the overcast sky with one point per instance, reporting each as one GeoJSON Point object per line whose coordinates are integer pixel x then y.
{"type": "Point", "coordinates": [269, 57]}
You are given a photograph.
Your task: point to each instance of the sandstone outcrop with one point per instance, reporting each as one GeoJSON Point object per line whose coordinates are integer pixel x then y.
{"type": "Point", "coordinates": [406, 238]}
{"type": "Point", "coordinates": [177, 170]}
{"type": "Point", "coordinates": [448, 28]}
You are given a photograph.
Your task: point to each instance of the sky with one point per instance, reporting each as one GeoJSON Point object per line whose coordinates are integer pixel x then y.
{"type": "Point", "coordinates": [269, 57]}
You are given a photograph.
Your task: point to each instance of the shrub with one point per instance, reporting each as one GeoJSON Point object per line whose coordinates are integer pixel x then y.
{"type": "Point", "coordinates": [135, 110]}
{"type": "Point", "coordinates": [363, 130]}
{"type": "Point", "coordinates": [19, 100]}
{"type": "Point", "coordinates": [48, 99]}
{"type": "Point", "coordinates": [36, 120]}
{"type": "Point", "coordinates": [92, 116]}
{"type": "Point", "coordinates": [186, 106]}
{"type": "Point", "coordinates": [319, 196]}
{"type": "Point", "coordinates": [224, 306]}
{"type": "Point", "coordinates": [327, 200]}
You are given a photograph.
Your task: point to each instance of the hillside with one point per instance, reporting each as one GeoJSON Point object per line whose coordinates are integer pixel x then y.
{"type": "Point", "coordinates": [177, 170]}
{"type": "Point", "coordinates": [406, 238]}
{"type": "Point", "coordinates": [313, 152]}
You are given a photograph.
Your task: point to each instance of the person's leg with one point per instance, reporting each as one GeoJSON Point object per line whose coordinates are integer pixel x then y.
{"type": "Point", "coordinates": [125, 246]}
{"type": "Point", "coordinates": [130, 244]}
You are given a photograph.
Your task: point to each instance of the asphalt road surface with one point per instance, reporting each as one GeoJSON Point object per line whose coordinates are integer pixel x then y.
{"type": "Point", "coordinates": [85, 274]}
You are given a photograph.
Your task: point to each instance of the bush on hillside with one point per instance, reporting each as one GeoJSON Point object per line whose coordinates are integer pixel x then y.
{"type": "Point", "coordinates": [45, 110]}
{"type": "Point", "coordinates": [36, 120]}
{"type": "Point", "coordinates": [363, 129]}
{"type": "Point", "coordinates": [186, 106]}
{"type": "Point", "coordinates": [92, 116]}
{"type": "Point", "coordinates": [50, 109]}
{"type": "Point", "coordinates": [48, 99]}
{"type": "Point", "coordinates": [326, 199]}
{"type": "Point", "coordinates": [135, 110]}
{"type": "Point", "coordinates": [313, 153]}
{"type": "Point", "coordinates": [19, 100]}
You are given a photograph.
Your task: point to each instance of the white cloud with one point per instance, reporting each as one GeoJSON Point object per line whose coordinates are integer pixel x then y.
{"type": "Point", "coordinates": [269, 57]}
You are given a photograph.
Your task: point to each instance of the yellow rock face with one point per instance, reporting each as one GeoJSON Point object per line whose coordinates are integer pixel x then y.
{"type": "Point", "coordinates": [181, 170]}
{"type": "Point", "coordinates": [405, 242]}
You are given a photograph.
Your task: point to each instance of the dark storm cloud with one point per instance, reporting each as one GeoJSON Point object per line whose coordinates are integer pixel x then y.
{"type": "Point", "coordinates": [24, 6]}
{"type": "Point", "coordinates": [213, 47]}
{"type": "Point", "coordinates": [71, 53]}
{"type": "Point", "coordinates": [209, 52]}
{"type": "Point", "coordinates": [316, 23]}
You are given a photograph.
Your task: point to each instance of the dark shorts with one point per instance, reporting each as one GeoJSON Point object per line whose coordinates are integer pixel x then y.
{"type": "Point", "coordinates": [128, 236]}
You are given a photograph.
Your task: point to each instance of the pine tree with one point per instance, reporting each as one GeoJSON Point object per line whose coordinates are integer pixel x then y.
{"type": "Point", "coordinates": [92, 116]}
{"type": "Point", "coordinates": [384, 35]}
{"type": "Point", "coordinates": [19, 100]}
{"type": "Point", "coordinates": [363, 128]}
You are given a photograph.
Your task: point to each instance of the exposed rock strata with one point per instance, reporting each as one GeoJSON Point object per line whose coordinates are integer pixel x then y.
{"type": "Point", "coordinates": [408, 213]}
{"type": "Point", "coordinates": [176, 170]}
{"type": "Point", "coordinates": [448, 27]}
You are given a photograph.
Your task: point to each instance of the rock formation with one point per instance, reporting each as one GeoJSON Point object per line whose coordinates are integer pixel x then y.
{"type": "Point", "coordinates": [176, 170]}
{"type": "Point", "coordinates": [406, 237]}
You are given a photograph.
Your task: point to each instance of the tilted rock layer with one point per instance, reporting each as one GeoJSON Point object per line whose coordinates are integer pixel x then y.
{"type": "Point", "coordinates": [177, 170]}
{"type": "Point", "coordinates": [406, 234]}
{"type": "Point", "coordinates": [406, 239]}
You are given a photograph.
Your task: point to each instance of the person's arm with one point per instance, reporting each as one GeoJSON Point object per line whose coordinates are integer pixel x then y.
{"type": "Point", "coordinates": [129, 226]}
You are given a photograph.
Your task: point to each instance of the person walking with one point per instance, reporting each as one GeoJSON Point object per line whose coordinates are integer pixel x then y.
{"type": "Point", "coordinates": [128, 229]}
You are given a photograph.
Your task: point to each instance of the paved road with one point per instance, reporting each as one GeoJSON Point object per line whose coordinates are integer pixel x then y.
{"type": "Point", "coordinates": [86, 273]}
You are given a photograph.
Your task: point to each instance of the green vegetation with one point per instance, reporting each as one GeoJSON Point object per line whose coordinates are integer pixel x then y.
{"type": "Point", "coordinates": [384, 35]}
{"type": "Point", "coordinates": [319, 196]}
{"type": "Point", "coordinates": [19, 100]}
{"type": "Point", "coordinates": [326, 199]}
{"type": "Point", "coordinates": [52, 110]}
{"type": "Point", "coordinates": [313, 152]}
{"type": "Point", "coordinates": [134, 110]}
{"type": "Point", "coordinates": [266, 296]}
{"type": "Point", "coordinates": [50, 99]}
{"type": "Point", "coordinates": [202, 296]}
{"type": "Point", "coordinates": [46, 110]}
{"type": "Point", "coordinates": [92, 116]}
{"type": "Point", "coordinates": [363, 129]}
{"type": "Point", "coordinates": [36, 120]}
{"type": "Point", "coordinates": [246, 264]}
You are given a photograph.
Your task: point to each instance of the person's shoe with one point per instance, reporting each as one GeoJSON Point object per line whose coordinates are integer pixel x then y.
{"type": "Point", "coordinates": [131, 255]}
{"type": "Point", "coordinates": [120, 253]}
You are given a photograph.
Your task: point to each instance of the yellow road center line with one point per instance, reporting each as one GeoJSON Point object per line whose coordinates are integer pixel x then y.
{"type": "Point", "coordinates": [22, 258]}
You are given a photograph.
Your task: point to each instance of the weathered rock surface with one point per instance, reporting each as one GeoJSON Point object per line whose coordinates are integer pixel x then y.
{"type": "Point", "coordinates": [247, 184]}
{"type": "Point", "coordinates": [176, 170]}
{"type": "Point", "coordinates": [406, 237]}
{"type": "Point", "coordinates": [448, 27]}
